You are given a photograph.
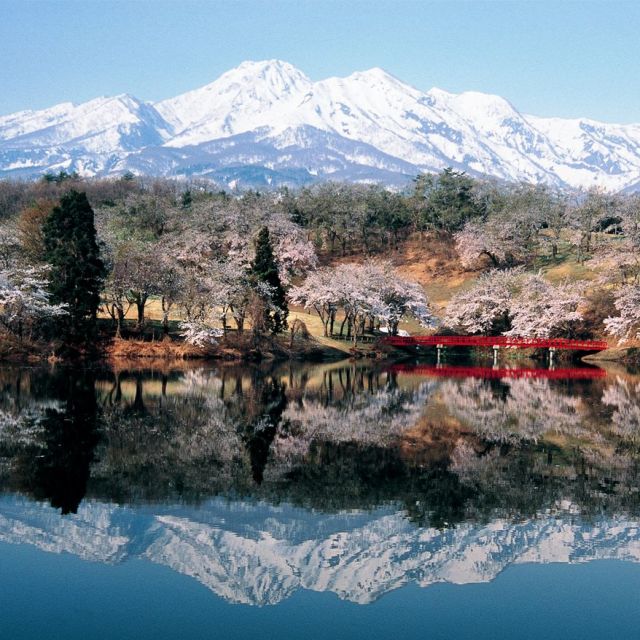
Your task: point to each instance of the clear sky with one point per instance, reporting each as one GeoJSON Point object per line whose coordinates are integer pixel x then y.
{"type": "Point", "coordinates": [561, 57]}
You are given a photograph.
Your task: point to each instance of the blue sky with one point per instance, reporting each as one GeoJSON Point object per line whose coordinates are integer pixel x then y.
{"type": "Point", "coordinates": [565, 58]}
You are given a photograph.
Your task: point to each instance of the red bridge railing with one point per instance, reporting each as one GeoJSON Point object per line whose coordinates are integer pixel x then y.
{"type": "Point", "coordinates": [446, 371]}
{"type": "Point", "coordinates": [495, 341]}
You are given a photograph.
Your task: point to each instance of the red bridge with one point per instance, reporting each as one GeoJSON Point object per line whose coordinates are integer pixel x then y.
{"type": "Point", "coordinates": [495, 341]}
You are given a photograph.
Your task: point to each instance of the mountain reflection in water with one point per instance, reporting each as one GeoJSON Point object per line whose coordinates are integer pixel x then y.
{"type": "Point", "coordinates": [348, 478]}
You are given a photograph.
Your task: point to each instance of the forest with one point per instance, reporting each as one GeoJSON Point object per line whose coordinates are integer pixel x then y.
{"type": "Point", "coordinates": [88, 262]}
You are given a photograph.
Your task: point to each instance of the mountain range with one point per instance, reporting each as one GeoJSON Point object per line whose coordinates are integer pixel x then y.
{"type": "Point", "coordinates": [260, 554]}
{"type": "Point", "coordinates": [266, 123]}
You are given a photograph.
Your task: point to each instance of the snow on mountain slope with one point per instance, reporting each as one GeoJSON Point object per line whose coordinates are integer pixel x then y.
{"type": "Point", "coordinates": [495, 138]}
{"type": "Point", "coordinates": [584, 147]}
{"type": "Point", "coordinates": [86, 137]}
{"type": "Point", "coordinates": [244, 99]}
{"type": "Point", "coordinates": [106, 123]}
{"type": "Point", "coordinates": [295, 156]}
{"type": "Point", "coordinates": [369, 126]}
{"type": "Point", "coordinates": [260, 554]}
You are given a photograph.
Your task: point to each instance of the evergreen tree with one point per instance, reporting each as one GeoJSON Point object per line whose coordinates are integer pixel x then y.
{"type": "Point", "coordinates": [186, 199]}
{"type": "Point", "coordinates": [264, 269]}
{"type": "Point", "coordinates": [77, 272]}
{"type": "Point", "coordinates": [446, 201]}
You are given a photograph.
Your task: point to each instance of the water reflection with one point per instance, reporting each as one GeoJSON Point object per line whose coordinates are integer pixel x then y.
{"type": "Point", "coordinates": [345, 477]}
{"type": "Point", "coordinates": [624, 397]}
{"type": "Point", "coordinates": [258, 554]}
{"type": "Point", "coordinates": [515, 409]}
{"type": "Point", "coordinates": [51, 438]}
{"type": "Point", "coordinates": [499, 373]}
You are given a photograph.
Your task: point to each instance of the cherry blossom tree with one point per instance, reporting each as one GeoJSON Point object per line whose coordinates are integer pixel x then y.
{"type": "Point", "coordinates": [170, 288]}
{"type": "Point", "coordinates": [395, 297]}
{"type": "Point", "coordinates": [294, 253]}
{"type": "Point", "coordinates": [506, 240]}
{"type": "Point", "coordinates": [626, 325]}
{"type": "Point", "coordinates": [510, 233]}
{"type": "Point", "coordinates": [133, 279]}
{"type": "Point", "coordinates": [544, 310]}
{"type": "Point", "coordinates": [372, 291]}
{"type": "Point", "coordinates": [485, 307]}
{"type": "Point", "coordinates": [476, 240]}
{"type": "Point", "coordinates": [318, 293]}
{"type": "Point", "coordinates": [516, 304]}
{"type": "Point", "coordinates": [617, 256]}
{"type": "Point", "coordinates": [25, 301]}
{"type": "Point", "coordinates": [593, 210]}
{"type": "Point", "coordinates": [199, 333]}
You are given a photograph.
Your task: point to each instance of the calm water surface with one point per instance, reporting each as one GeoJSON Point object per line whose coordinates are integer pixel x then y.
{"type": "Point", "coordinates": [327, 501]}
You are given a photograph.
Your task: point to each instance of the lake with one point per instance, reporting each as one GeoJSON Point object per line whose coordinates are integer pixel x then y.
{"type": "Point", "coordinates": [343, 500]}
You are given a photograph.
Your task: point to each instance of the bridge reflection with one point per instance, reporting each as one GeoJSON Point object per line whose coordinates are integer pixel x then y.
{"type": "Point", "coordinates": [452, 371]}
{"type": "Point", "coordinates": [511, 342]}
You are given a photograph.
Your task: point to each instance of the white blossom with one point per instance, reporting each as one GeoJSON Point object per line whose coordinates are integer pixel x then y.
{"type": "Point", "coordinates": [200, 334]}
{"type": "Point", "coordinates": [24, 298]}
{"type": "Point", "coordinates": [373, 290]}
{"type": "Point", "coordinates": [516, 303]}
{"type": "Point", "coordinates": [478, 309]}
{"type": "Point", "coordinates": [626, 325]}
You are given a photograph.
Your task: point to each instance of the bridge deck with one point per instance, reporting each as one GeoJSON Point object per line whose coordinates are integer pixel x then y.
{"type": "Point", "coordinates": [496, 341]}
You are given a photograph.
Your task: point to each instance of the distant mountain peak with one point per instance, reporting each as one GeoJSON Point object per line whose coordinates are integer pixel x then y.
{"type": "Point", "coordinates": [264, 70]}
{"type": "Point", "coordinates": [376, 73]}
{"type": "Point", "coordinates": [267, 118]}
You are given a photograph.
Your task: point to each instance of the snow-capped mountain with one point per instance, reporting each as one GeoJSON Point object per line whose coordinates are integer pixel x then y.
{"type": "Point", "coordinates": [90, 138]}
{"type": "Point", "coordinates": [260, 554]}
{"type": "Point", "coordinates": [266, 122]}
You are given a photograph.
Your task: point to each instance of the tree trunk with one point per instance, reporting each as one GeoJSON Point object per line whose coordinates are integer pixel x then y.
{"type": "Point", "coordinates": [344, 321]}
{"type": "Point", "coordinates": [140, 304]}
{"type": "Point", "coordinates": [119, 318]}
{"type": "Point", "coordinates": [166, 307]}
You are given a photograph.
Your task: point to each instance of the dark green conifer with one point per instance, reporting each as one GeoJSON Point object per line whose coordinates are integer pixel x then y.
{"type": "Point", "coordinates": [77, 272]}
{"type": "Point", "coordinates": [264, 268]}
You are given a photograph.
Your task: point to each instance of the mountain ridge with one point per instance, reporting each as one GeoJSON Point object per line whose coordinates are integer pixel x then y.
{"type": "Point", "coordinates": [259, 554]}
{"type": "Point", "coordinates": [297, 131]}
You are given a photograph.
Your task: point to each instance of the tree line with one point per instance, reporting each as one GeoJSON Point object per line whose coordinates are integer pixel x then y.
{"type": "Point", "coordinates": [221, 261]}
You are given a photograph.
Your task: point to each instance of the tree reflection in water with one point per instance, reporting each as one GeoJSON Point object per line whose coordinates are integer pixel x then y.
{"type": "Point", "coordinates": [514, 410]}
{"type": "Point", "coordinates": [332, 437]}
{"type": "Point", "coordinates": [624, 397]}
{"type": "Point", "coordinates": [54, 436]}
